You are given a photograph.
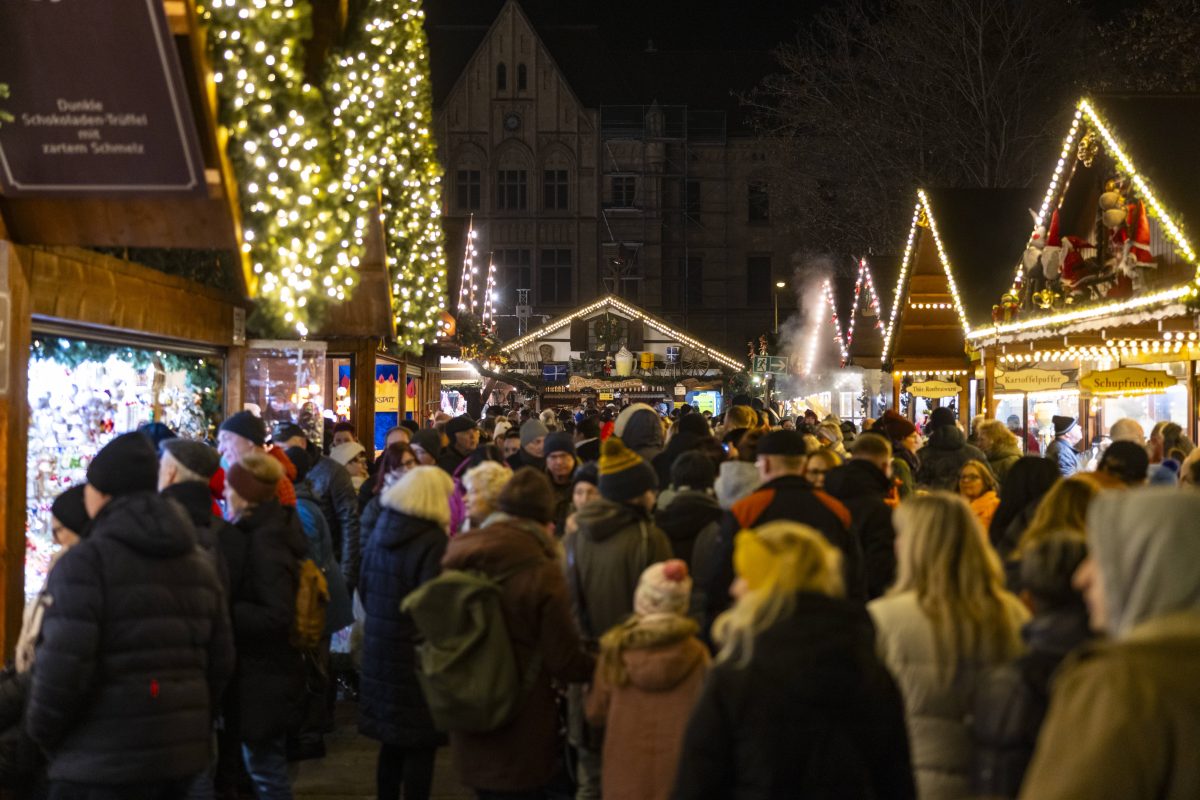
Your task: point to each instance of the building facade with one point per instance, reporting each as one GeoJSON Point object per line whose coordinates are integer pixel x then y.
{"type": "Point", "coordinates": [575, 193]}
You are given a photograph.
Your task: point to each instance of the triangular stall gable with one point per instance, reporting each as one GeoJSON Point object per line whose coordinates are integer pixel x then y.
{"type": "Point", "coordinates": [864, 327]}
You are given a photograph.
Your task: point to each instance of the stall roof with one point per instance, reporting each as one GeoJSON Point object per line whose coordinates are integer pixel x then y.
{"type": "Point", "coordinates": [955, 264]}
{"type": "Point", "coordinates": [1153, 138]}
{"type": "Point", "coordinates": [624, 307]}
{"type": "Point", "coordinates": [864, 325]}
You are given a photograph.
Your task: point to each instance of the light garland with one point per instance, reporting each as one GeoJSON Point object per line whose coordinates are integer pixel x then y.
{"type": "Point", "coordinates": [838, 339]}
{"type": "Point", "coordinates": [931, 306]}
{"type": "Point", "coordinates": [612, 302]}
{"type": "Point", "coordinates": [1112, 350]}
{"type": "Point", "coordinates": [466, 284]}
{"type": "Point", "coordinates": [489, 300]}
{"type": "Point", "coordinates": [923, 213]}
{"type": "Point", "coordinates": [940, 373]}
{"type": "Point", "coordinates": [295, 225]}
{"type": "Point", "coordinates": [863, 281]}
{"type": "Point", "coordinates": [1184, 292]}
{"type": "Point", "coordinates": [384, 112]}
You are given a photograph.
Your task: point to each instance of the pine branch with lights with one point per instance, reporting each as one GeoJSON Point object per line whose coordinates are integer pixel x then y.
{"type": "Point", "coordinates": [383, 110]}
{"type": "Point", "coordinates": [295, 223]}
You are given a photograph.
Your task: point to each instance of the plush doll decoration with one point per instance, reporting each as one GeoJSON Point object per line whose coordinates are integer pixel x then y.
{"type": "Point", "coordinates": [1037, 241]}
{"type": "Point", "coordinates": [1074, 268]}
{"type": "Point", "coordinates": [1010, 304]}
{"type": "Point", "coordinates": [1052, 251]}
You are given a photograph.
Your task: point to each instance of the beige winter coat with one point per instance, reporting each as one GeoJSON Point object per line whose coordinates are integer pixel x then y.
{"type": "Point", "coordinates": [645, 717]}
{"type": "Point", "coordinates": [936, 708]}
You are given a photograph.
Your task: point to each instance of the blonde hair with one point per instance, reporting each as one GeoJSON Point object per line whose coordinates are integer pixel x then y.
{"type": "Point", "coordinates": [487, 479]}
{"type": "Point", "coordinates": [264, 468]}
{"type": "Point", "coordinates": [992, 433]}
{"type": "Point", "coordinates": [740, 417]}
{"type": "Point", "coordinates": [422, 492]}
{"type": "Point", "coordinates": [806, 562]}
{"type": "Point", "coordinates": [944, 557]}
{"type": "Point", "coordinates": [831, 458]}
{"type": "Point", "coordinates": [1063, 508]}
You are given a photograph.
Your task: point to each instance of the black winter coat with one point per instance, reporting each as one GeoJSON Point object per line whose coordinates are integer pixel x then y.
{"type": "Point", "coordinates": [788, 498]}
{"type": "Point", "coordinates": [222, 542]}
{"type": "Point", "coordinates": [335, 493]}
{"type": "Point", "coordinates": [402, 553]}
{"type": "Point", "coordinates": [813, 714]}
{"type": "Point", "coordinates": [1011, 703]}
{"type": "Point", "coordinates": [862, 487]}
{"type": "Point", "coordinates": [943, 456]}
{"type": "Point", "coordinates": [135, 650]}
{"type": "Point", "coordinates": [20, 761]}
{"type": "Point", "coordinates": [270, 673]}
{"type": "Point", "coordinates": [687, 514]}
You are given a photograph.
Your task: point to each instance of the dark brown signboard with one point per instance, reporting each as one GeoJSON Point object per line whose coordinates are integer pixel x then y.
{"type": "Point", "coordinates": [99, 101]}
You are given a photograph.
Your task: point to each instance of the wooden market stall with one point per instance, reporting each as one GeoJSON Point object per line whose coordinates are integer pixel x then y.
{"type": "Point", "coordinates": [1106, 286]}
{"type": "Point", "coordinates": [611, 349]}
{"type": "Point", "coordinates": [952, 267]}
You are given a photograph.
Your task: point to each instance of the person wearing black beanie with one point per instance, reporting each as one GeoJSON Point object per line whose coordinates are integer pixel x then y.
{"type": "Point", "coordinates": [136, 644]}
{"type": "Point", "coordinates": [239, 434]}
{"type": "Point", "coordinates": [69, 519]}
{"type": "Point", "coordinates": [126, 465]}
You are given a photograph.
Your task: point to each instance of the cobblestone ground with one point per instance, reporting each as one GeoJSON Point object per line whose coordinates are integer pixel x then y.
{"type": "Point", "coordinates": [348, 770]}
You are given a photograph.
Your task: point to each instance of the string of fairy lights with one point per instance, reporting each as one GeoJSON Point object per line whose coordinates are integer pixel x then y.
{"type": "Point", "coordinates": [311, 166]}
{"type": "Point", "coordinates": [470, 299]}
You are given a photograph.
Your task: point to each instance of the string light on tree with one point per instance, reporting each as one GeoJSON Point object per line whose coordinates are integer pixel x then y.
{"type": "Point", "coordinates": [466, 284]}
{"type": "Point", "coordinates": [295, 228]}
{"type": "Point", "coordinates": [489, 300]}
{"type": "Point", "coordinates": [384, 114]}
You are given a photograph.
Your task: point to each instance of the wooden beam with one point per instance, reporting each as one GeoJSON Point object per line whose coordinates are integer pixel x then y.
{"type": "Point", "coordinates": [14, 437]}
{"type": "Point", "coordinates": [989, 383]}
{"type": "Point", "coordinates": [177, 16]}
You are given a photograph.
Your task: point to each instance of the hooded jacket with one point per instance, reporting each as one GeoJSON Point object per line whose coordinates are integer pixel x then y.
{"type": "Point", "coordinates": [402, 553]}
{"type": "Point", "coordinates": [684, 519]}
{"type": "Point", "coordinates": [135, 650]}
{"type": "Point", "coordinates": [521, 755]}
{"type": "Point", "coordinates": [340, 612]}
{"type": "Point", "coordinates": [270, 673]}
{"type": "Point", "coordinates": [640, 428]}
{"type": "Point", "coordinates": [943, 456]}
{"type": "Point", "coordinates": [813, 714]}
{"type": "Point", "coordinates": [1135, 695]}
{"type": "Point", "coordinates": [1064, 455]}
{"type": "Point", "coordinates": [862, 487]}
{"type": "Point", "coordinates": [606, 555]}
{"type": "Point", "coordinates": [644, 716]}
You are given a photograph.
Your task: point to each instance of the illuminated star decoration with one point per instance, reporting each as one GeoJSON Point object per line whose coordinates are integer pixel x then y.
{"type": "Point", "coordinates": [295, 227]}
{"type": "Point", "coordinates": [384, 114]}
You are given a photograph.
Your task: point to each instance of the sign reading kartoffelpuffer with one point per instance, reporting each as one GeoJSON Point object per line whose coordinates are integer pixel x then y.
{"type": "Point", "coordinates": [98, 102]}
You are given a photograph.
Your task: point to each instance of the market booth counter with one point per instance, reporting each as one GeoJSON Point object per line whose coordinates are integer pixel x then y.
{"type": "Point", "coordinates": [1104, 286]}
{"type": "Point", "coordinates": [947, 276]}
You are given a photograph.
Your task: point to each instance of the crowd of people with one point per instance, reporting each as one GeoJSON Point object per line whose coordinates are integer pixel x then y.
{"type": "Point", "coordinates": [621, 603]}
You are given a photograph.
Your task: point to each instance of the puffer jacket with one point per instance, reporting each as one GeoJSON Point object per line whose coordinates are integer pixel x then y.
{"type": "Point", "coordinates": [644, 715]}
{"type": "Point", "coordinates": [335, 493]}
{"type": "Point", "coordinates": [339, 613]}
{"type": "Point", "coordinates": [1065, 456]}
{"type": "Point", "coordinates": [812, 714]}
{"type": "Point", "coordinates": [937, 708]}
{"type": "Point", "coordinates": [1012, 701]}
{"type": "Point", "coordinates": [606, 555]}
{"type": "Point", "coordinates": [943, 456]}
{"type": "Point", "coordinates": [135, 650]}
{"type": "Point", "coordinates": [270, 673]}
{"type": "Point", "coordinates": [403, 552]}
{"type": "Point", "coordinates": [20, 761]}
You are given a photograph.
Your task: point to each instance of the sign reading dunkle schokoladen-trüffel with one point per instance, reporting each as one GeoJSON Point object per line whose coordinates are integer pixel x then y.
{"type": "Point", "coordinates": [98, 101]}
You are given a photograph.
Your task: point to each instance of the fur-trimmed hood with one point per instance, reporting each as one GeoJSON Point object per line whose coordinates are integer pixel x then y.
{"type": "Point", "coordinates": [423, 492]}
{"type": "Point", "coordinates": [656, 652]}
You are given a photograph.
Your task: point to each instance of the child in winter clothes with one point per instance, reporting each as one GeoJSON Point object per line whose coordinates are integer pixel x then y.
{"type": "Point", "coordinates": [649, 674]}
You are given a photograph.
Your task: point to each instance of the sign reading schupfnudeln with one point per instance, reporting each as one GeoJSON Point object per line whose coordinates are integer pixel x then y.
{"type": "Point", "coordinates": [98, 101]}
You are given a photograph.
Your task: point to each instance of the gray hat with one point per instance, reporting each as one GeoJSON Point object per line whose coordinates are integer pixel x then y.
{"type": "Point", "coordinates": [532, 429]}
{"type": "Point", "coordinates": [195, 456]}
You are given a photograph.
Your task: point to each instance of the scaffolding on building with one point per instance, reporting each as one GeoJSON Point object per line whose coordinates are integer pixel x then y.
{"type": "Point", "coordinates": [651, 202]}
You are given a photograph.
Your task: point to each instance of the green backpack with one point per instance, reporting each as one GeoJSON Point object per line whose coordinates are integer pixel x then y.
{"type": "Point", "coordinates": [466, 664]}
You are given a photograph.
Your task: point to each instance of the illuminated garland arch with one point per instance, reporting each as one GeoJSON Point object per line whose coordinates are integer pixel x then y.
{"type": "Point", "coordinates": [296, 227]}
{"type": "Point", "coordinates": [383, 108]}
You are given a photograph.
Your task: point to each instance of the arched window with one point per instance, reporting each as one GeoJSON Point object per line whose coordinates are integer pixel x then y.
{"type": "Point", "coordinates": [522, 78]}
{"type": "Point", "coordinates": [501, 77]}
